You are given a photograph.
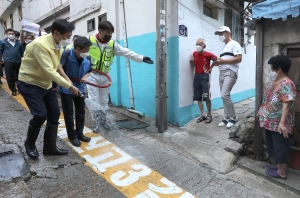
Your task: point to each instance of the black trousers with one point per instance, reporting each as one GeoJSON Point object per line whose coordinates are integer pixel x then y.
{"type": "Point", "coordinates": [12, 73]}
{"type": "Point", "coordinates": [42, 103]}
{"type": "Point", "coordinates": [67, 101]}
{"type": "Point", "coordinates": [278, 146]}
{"type": "Point", "coordinates": [1, 71]}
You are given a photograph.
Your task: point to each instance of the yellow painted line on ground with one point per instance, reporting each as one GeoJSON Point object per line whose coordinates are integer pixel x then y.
{"type": "Point", "coordinates": [125, 173]}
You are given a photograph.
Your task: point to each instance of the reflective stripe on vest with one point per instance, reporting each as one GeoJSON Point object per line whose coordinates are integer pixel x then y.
{"type": "Point", "coordinates": [101, 60]}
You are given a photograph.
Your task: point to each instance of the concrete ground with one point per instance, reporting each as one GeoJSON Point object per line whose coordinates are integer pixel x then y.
{"type": "Point", "coordinates": [192, 157]}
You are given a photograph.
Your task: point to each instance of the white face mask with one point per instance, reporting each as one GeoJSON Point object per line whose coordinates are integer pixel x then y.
{"type": "Point", "coordinates": [274, 75]}
{"type": "Point", "coordinates": [84, 55]}
{"type": "Point", "coordinates": [222, 38]}
{"type": "Point", "coordinates": [11, 37]}
{"type": "Point", "coordinates": [65, 42]}
{"type": "Point", "coordinates": [199, 48]}
{"type": "Point", "coordinates": [29, 41]}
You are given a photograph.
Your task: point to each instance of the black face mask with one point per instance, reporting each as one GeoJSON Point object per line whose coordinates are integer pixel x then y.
{"type": "Point", "coordinates": [106, 38]}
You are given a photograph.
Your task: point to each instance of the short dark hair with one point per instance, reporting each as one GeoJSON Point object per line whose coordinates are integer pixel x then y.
{"type": "Point", "coordinates": [75, 36]}
{"type": "Point", "coordinates": [30, 36]}
{"type": "Point", "coordinates": [17, 34]}
{"type": "Point", "coordinates": [62, 26]}
{"type": "Point", "coordinates": [82, 42]}
{"type": "Point", "coordinates": [10, 30]}
{"type": "Point", "coordinates": [280, 61]}
{"type": "Point", "coordinates": [106, 25]}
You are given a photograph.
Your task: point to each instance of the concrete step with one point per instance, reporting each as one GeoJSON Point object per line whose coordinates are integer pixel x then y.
{"type": "Point", "coordinates": [257, 167]}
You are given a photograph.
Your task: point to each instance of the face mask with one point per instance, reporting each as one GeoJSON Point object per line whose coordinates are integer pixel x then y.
{"type": "Point", "coordinates": [65, 42]}
{"type": "Point", "coordinates": [84, 55]}
{"type": "Point", "coordinates": [11, 37]}
{"type": "Point", "coordinates": [222, 38]}
{"type": "Point", "coordinates": [274, 75]}
{"type": "Point", "coordinates": [29, 41]}
{"type": "Point", "coordinates": [106, 38]}
{"type": "Point", "coordinates": [199, 48]}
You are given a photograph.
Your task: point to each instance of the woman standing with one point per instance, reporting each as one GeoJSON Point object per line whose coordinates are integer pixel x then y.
{"type": "Point", "coordinates": [276, 115]}
{"type": "Point", "coordinates": [38, 70]}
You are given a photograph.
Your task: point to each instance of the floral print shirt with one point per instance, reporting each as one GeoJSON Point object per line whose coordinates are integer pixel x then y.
{"type": "Point", "coordinates": [271, 109]}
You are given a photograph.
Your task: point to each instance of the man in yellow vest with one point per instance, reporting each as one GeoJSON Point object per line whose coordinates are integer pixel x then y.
{"type": "Point", "coordinates": [102, 53]}
{"type": "Point", "coordinates": [70, 46]}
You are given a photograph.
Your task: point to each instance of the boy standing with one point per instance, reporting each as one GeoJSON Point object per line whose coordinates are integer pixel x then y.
{"type": "Point", "coordinates": [75, 64]}
{"type": "Point", "coordinates": [201, 60]}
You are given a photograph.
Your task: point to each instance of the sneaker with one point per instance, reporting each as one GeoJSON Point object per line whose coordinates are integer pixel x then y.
{"type": "Point", "coordinates": [231, 122]}
{"type": "Point", "coordinates": [224, 122]}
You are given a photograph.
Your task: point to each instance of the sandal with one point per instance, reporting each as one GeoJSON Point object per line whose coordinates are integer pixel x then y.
{"type": "Point", "coordinates": [200, 119]}
{"type": "Point", "coordinates": [208, 119]}
{"type": "Point", "coordinates": [275, 174]}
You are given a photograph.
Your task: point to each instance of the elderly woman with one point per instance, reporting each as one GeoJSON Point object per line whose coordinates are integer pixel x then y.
{"type": "Point", "coordinates": [276, 116]}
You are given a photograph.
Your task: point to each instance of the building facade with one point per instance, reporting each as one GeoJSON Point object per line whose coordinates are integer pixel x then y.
{"type": "Point", "coordinates": [277, 33]}
{"type": "Point", "coordinates": [201, 18]}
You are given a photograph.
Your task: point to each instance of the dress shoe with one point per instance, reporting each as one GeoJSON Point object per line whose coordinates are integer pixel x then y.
{"type": "Point", "coordinates": [83, 138]}
{"type": "Point", "coordinates": [75, 142]}
{"type": "Point", "coordinates": [14, 93]}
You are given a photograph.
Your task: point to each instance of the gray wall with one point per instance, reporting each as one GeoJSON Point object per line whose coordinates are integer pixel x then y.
{"type": "Point", "coordinates": [277, 35]}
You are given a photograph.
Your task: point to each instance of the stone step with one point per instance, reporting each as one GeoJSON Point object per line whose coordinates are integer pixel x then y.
{"type": "Point", "coordinates": [292, 183]}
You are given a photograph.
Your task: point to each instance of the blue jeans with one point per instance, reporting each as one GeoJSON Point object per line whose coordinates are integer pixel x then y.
{"type": "Point", "coordinates": [42, 103]}
{"type": "Point", "coordinates": [67, 106]}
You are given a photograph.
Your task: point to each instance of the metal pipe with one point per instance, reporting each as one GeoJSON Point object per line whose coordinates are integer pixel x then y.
{"type": "Point", "coordinates": [127, 59]}
{"type": "Point", "coordinates": [161, 91]}
{"type": "Point", "coordinates": [117, 58]}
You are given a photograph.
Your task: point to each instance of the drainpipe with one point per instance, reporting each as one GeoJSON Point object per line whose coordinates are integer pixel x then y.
{"type": "Point", "coordinates": [117, 58]}
{"type": "Point", "coordinates": [127, 60]}
{"type": "Point", "coordinates": [161, 84]}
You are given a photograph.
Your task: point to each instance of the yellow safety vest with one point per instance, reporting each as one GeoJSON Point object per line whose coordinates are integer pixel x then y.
{"type": "Point", "coordinates": [69, 47]}
{"type": "Point", "coordinates": [101, 60]}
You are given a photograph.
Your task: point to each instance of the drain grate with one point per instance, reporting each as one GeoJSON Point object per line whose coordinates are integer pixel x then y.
{"type": "Point", "coordinates": [132, 124]}
{"type": "Point", "coordinates": [6, 153]}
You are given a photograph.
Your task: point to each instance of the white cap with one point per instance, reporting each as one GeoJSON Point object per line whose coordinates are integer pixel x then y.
{"type": "Point", "coordinates": [223, 29]}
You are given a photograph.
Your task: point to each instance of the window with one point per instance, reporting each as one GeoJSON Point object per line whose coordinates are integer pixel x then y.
{"type": "Point", "coordinates": [210, 10]}
{"type": "Point", "coordinates": [293, 52]}
{"type": "Point", "coordinates": [20, 13]}
{"type": "Point", "coordinates": [207, 11]}
{"type": "Point", "coordinates": [11, 20]}
{"type": "Point", "coordinates": [102, 17]}
{"type": "Point", "coordinates": [234, 20]}
{"type": "Point", "coordinates": [91, 25]}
